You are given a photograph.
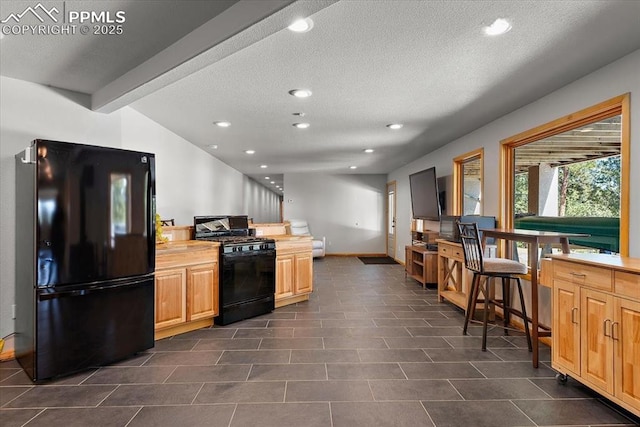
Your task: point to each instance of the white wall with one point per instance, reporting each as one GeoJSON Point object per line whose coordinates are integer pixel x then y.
{"type": "Point", "coordinates": [349, 210]}
{"type": "Point", "coordinates": [189, 180]}
{"type": "Point", "coordinates": [615, 79]}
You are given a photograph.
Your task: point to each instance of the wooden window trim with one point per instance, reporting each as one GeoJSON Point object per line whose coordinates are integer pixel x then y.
{"type": "Point", "coordinates": [619, 105]}
{"type": "Point", "coordinates": [458, 179]}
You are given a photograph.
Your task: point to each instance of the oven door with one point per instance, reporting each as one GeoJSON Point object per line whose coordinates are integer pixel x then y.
{"type": "Point", "coordinates": [247, 276]}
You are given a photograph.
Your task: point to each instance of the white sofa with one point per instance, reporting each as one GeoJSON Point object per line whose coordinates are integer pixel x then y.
{"type": "Point", "coordinates": [300, 227]}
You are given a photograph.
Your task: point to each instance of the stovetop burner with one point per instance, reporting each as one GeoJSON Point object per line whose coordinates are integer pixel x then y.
{"type": "Point", "coordinates": [226, 240]}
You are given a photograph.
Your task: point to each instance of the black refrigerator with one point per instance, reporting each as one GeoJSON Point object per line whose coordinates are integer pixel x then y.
{"type": "Point", "coordinates": [85, 256]}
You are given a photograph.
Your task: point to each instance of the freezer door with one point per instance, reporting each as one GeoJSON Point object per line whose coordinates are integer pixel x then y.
{"type": "Point", "coordinates": [95, 209]}
{"type": "Point", "coordinates": [82, 328]}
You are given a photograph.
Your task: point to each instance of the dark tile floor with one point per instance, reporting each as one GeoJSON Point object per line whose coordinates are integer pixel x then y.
{"type": "Point", "coordinates": [370, 348]}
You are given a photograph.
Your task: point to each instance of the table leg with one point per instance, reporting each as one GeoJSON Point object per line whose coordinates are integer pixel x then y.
{"type": "Point", "coordinates": [533, 258]}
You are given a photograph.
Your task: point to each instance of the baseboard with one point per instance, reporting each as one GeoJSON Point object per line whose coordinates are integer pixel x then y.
{"type": "Point", "coordinates": [354, 255]}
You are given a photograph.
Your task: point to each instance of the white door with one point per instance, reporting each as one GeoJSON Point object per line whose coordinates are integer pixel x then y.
{"type": "Point", "coordinates": [391, 219]}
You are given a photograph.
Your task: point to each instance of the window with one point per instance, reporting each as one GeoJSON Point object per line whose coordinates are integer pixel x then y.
{"type": "Point", "coordinates": [468, 183]}
{"type": "Point", "coordinates": [575, 166]}
{"type": "Point", "coordinates": [120, 205]}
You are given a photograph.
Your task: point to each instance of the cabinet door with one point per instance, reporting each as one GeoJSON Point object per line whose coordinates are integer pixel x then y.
{"type": "Point", "coordinates": [596, 319]}
{"type": "Point", "coordinates": [171, 297]}
{"type": "Point", "coordinates": [566, 327]}
{"type": "Point", "coordinates": [284, 276]}
{"type": "Point", "coordinates": [626, 338]}
{"type": "Point", "coordinates": [304, 273]}
{"type": "Point", "coordinates": [202, 291]}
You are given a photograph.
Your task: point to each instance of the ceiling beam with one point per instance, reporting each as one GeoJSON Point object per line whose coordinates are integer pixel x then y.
{"type": "Point", "coordinates": [206, 45]}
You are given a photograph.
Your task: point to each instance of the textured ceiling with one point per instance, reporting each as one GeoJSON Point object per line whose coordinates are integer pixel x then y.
{"type": "Point", "coordinates": [426, 64]}
{"type": "Point", "coordinates": [86, 63]}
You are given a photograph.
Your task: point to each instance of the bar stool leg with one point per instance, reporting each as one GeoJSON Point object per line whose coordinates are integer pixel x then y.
{"type": "Point", "coordinates": [487, 302]}
{"type": "Point", "coordinates": [471, 302]}
{"type": "Point", "coordinates": [525, 319]}
{"type": "Point", "coordinates": [506, 303]}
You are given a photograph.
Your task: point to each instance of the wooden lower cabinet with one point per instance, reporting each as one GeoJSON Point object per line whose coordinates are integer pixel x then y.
{"type": "Point", "coordinates": [171, 297]}
{"type": "Point", "coordinates": [566, 326]}
{"type": "Point", "coordinates": [285, 271]}
{"type": "Point", "coordinates": [294, 271]}
{"type": "Point", "coordinates": [304, 273]}
{"type": "Point", "coordinates": [186, 287]}
{"type": "Point", "coordinates": [626, 336]}
{"type": "Point", "coordinates": [596, 327]}
{"type": "Point", "coordinates": [421, 264]}
{"type": "Point", "coordinates": [202, 301]}
{"type": "Point", "coordinates": [596, 317]}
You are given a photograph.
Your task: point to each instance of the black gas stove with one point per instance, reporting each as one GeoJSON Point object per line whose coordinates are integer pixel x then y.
{"type": "Point", "coordinates": [247, 267]}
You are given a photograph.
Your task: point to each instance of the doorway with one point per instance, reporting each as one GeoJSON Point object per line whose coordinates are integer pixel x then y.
{"type": "Point", "coordinates": [391, 219]}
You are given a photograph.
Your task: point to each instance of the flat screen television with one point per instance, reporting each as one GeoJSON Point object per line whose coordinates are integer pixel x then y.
{"type": "Point", "coordinates": [425, 202]}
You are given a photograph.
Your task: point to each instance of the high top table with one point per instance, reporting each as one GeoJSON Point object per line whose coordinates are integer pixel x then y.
{"type": "Point", "coordinates": [534, 239]}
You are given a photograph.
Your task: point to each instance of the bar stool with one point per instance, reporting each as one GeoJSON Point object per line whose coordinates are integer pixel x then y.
{"type": "Point", "coordinates": [491, 268]}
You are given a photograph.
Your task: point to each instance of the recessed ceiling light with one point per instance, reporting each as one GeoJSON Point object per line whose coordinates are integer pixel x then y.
{"type": "Point", "coordinates": [266, 177]}
{"type": "Point", "coordinates": [395, 126]}
{"type": "Point", "coordinates": [250, 151]}
{"type": "Point", "coordinates": [353, 167]}
{"type": "Point", "coordinates": [301, 125]}
{"type": "Point", "coordinates": [222, 124]}
{"type": "Point", "coordinates": [300, 93]}
{"type": "Point", "coordinates": [263, 166]}
{"type": "Point", "coordinates": [213, 147]}
{"type": "Point", "coordinates": [301, 25]}
{"type": "Point", "coordinates": [499, 26]}
{"type": "Point", "coordinates": [369, 150]}
{"type": "Point", "coordinates": [298, 114]}
{"type": "Point", "coordinates": [272, 182]}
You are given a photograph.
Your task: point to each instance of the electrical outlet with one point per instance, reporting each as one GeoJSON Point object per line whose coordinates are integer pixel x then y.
{"type": "Point", "coordinates": [13, 311]}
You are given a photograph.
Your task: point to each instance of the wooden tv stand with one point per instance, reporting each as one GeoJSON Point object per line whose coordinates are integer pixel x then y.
{"type": "Point", "coordinates": [421, 264]}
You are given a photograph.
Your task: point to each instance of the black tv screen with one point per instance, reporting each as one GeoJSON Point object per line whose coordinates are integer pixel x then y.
{"type": "Point", "coordinates": [424, 194]}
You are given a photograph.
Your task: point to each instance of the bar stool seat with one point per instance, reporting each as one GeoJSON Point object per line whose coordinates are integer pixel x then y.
{"type": "Point", "coordinates": [491, 268]}
{"type": "Point", "coordinates": [503, 266]}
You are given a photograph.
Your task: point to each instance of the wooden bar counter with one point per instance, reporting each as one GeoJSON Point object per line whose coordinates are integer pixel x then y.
{"type": "Point", "coordinates": [186, 280]}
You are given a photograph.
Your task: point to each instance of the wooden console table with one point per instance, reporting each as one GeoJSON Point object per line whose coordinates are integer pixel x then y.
{"type": "Point", "coordinates": [420, 264]}
{"type": "Point", "coordinates": [452, 277]}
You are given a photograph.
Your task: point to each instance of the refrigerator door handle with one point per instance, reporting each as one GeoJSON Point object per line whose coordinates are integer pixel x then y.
{"type": "Point", "coordinates": [49, 295]}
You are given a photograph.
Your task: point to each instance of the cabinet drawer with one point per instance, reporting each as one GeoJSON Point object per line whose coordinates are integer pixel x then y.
{"type": "Point", "coordinates": [627, 284]}
{"type": "Point", "coordinates": [585, 275]}
{"type": "Point", "coordinates": [451, 251]}
{"type": "Point", "coordinates": [169, 259]}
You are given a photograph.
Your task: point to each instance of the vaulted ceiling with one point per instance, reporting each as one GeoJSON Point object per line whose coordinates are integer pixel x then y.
{"type": "Point", "coordinates": [426, 64]}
